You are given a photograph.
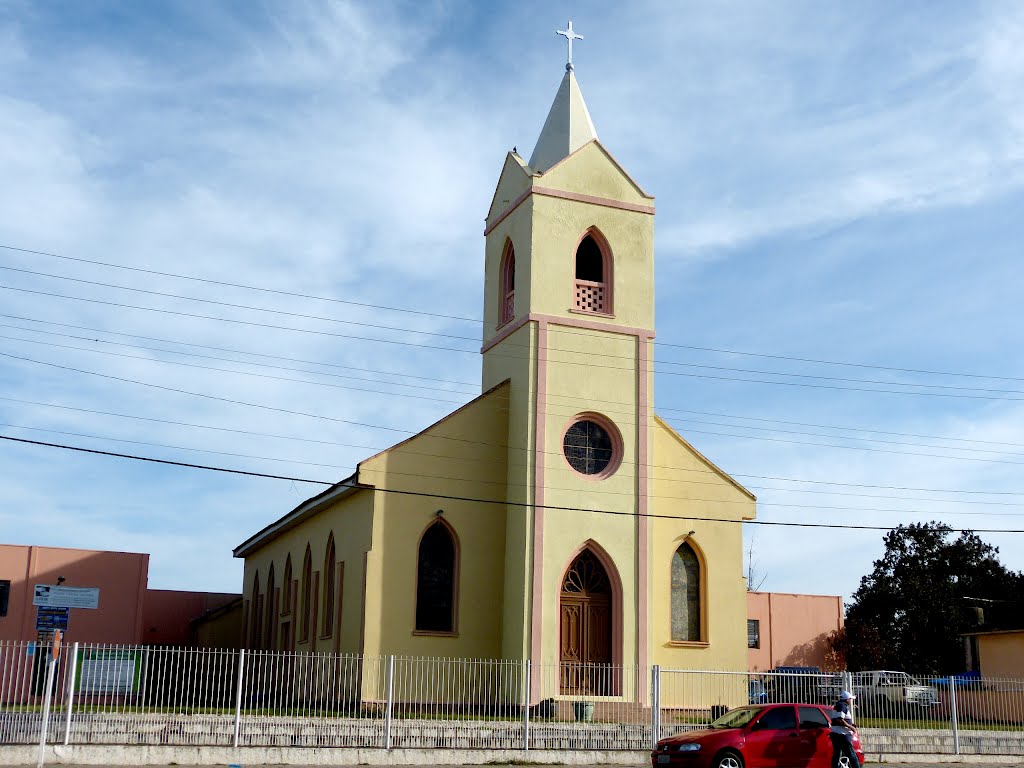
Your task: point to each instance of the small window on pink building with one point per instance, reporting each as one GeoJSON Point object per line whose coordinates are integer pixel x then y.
{"type": "Point", "coordinates": [508, 285]}
{"type": "Point", "coordinates": [592, 290]}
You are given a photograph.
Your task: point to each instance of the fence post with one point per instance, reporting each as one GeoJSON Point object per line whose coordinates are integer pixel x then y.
{"type": "Point", "coordinates": [238, 697]}
{"type": "Point", "coordinates": [847, 685]}
{"type": "Point", "coordinates": [952, 711]}
{"type": "Point", "coordinates": [655, 706]}
{"type": "Point", "coordinates": [390, 704]}
{"type": "Point", "coordinates": [51, 669]}
{"type": "Point", "coordinates": [526, 704]}
{"type": "Point", "coordinates": [69, 680]}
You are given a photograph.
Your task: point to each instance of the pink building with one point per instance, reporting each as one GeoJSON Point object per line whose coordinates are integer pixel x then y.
{"type": "Point", "coordinates": [128, 613]}
{"type": "Point", "coordinates": [791, 630]}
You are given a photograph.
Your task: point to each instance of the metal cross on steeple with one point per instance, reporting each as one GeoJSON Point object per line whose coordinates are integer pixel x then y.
{"type": "Point", "coordinates": [569, 35]}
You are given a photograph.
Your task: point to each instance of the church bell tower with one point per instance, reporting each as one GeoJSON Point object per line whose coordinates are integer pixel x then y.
{"type": "Point", "coordinates": [569, 321]}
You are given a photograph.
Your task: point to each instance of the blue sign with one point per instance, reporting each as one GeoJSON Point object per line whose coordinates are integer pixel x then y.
{"type": "Point", "coordinates": [50, 619]}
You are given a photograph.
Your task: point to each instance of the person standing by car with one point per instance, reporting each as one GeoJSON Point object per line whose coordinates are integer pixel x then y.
{"type": "Point", "coordinates": [841, 736]}
{"type": "Point", "coordinates": [842, 706]}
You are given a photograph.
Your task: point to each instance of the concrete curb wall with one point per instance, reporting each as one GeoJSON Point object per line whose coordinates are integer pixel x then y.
{"type": "Point", "coordinates": [24, 755]}
{"type": "Point", "coordinates": [154, 755]}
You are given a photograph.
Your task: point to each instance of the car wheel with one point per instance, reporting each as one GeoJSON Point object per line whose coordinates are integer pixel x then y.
{"type": "Point", "coordinates": [728, 759]}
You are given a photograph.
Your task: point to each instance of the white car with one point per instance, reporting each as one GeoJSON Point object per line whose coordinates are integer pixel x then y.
{"type": "Point", "coordinates": [885, 690]}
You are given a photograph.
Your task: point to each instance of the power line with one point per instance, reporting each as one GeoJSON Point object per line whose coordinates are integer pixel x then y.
{"type": "Point", "coordinates": [443, 400]}
{"type": "Point", "coordinates": [409, 432]}
{"type": "Point", "coordinates": [205, 346]}
{"type": "Point", "coordinates": [445, 437]}
{"type": "Point", "coordinates": [502, 502]}
{"type": "Point", "coordinates": [519, 357]}
{"type": "Point", "coordinates": [253, 323]}
{"type": "Point", "coordinates": [445, 335]}
{"type": "Point", "coordinates": [247, 307]}
{"type": "Point", "coordinates": [257, 375]}
{"type": "Point", "coordinates": [843, 427]}
{"type": "Point", "coordinates": [377, 448]}
{"type": "Point", "coordinates": [445, 381]}
{"type": "Point", "coordinates": [227, 284]}
{"type": "Point", "coordinates": [715, 350]}
{"type": "Point", "coordinates": [602, 492]}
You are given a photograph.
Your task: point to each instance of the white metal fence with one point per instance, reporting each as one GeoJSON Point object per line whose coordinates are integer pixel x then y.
{"type": "Point", "coordinates": [138, 695]}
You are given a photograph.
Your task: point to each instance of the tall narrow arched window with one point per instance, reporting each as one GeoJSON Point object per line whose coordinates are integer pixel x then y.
{"type": "Point", "coordinates": [436, 578]}
{"type": "Point", "coordinates": [307, 596]}
{"type": "Point", "coordinates": [686, 595]}
{"type": "Point", "coordinates": [286, 587]}
{"type": "Point", "coordinates": [256, 625]}
{"type": "Point", "coordinates": [329, 583]}
{"type": "Point", "coordinates": [508, 284]}
{"type": "Point", "coordinates": [593, 285]}
{"type": "Point", "coordinates": [271, 618]}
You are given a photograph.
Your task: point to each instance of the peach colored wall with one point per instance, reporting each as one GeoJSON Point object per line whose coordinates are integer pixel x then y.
{"type": "Point", "coordinates": [120, 576]}
{"type": "Point", "coordinates": [1001, 654]}
{"type": "Point", "coordinates": [793, 628]}
{"type": "Point", "coordinates": [168, 614]}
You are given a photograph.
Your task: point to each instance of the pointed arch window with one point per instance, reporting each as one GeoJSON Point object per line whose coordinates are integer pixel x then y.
{"type": "Point", "coordinates": [508, 284]}
{"type": "Point", "coordinates": [307, 596]}
{"type": "Point", "coordinates": [256, 626]}
{"type": "Point", "coordinates": [687, 623]}
{"type": "Point", "coordinates": [436, 579]}
{"type": "Point", "coordinates": [271, 628]}
{"type": "Point", "coordinates": [329, 593]}
{"type": "Point", "coordinates": [286, 587]}
{"type": "Point", "coordinates": [593, 283]}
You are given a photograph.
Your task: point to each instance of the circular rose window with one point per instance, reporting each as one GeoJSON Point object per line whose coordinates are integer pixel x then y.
{"type": "Point", "coordinates": [592, 446]}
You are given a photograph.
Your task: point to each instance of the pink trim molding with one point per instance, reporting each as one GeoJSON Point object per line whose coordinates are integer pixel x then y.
{"type": "Point", "coordinates": [569, 322]}
{"type": "Point", "coordinates": [642, 521]}
{"type": "Point", "coordinates": [605, 202]}
{"type": "Point", "coordinates": [506, 331]}
{"type": "Point", "coordinates": [540, 416]}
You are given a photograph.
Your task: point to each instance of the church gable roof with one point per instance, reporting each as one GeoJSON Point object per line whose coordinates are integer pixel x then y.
{"type": "Point", "coordinates": [473, 414]}
{"type": "Point", "coordinates": [514, 181]}
{"type": "Point", "coordinates": [700, 457]}
{"type": "Point", "coordinates": [302, 512]}
{"type": "Point", "coordinates": [468, 431]}
{"type": "Point", "coordinates": [592, 170]}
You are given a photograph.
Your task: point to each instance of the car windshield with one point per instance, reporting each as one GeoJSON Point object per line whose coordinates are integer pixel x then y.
{"type": "Point", "coordinates": [736, 718]}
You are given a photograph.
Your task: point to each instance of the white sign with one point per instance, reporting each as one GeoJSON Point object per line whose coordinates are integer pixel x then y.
{"type": "Point", "coordinates": [108, 671]}
{"type": "Point", "coordinates": [66, 597]}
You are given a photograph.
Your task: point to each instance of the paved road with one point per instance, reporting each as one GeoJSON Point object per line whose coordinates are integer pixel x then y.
{"type": "Point", "coordinates": [1011, 763]}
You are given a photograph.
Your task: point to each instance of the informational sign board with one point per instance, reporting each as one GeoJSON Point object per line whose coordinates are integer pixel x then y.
{"type": "Point", "coordinates": [48, 596]}
{"type": "Point", "coordinates": [103, 670]}
{"type": "Point", "coordinates": [50, 619]}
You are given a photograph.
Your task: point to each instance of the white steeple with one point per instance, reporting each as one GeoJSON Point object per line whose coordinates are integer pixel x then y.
{"type": "Point", "coordinates": [568, 126]}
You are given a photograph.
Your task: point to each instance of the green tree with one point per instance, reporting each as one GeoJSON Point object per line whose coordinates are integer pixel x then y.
{"type": "Point", "coordinates": [918, 599]}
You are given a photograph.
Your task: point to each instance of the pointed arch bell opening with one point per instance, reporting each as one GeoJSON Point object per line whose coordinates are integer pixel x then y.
{"type": "Point", "coordinates": [590, 624]}
{"type": "Point", "coordinates": [592, 287]}
{"type": "Point", "coordinates": [507, 276]}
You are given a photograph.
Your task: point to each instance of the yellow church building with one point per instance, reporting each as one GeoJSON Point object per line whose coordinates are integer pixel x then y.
{"type": "Point", "coordinates": [555, 517]}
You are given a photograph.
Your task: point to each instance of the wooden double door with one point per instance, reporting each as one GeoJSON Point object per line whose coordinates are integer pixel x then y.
{"type": "Point", "coordinates": [585, 612]}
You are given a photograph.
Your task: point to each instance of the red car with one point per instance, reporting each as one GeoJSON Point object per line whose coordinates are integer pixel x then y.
{"type": "Point", "coordinates": [758, 736]}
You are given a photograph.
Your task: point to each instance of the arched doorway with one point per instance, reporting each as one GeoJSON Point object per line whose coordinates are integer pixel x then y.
{"type": "Point", "coordinates": [586, 633]}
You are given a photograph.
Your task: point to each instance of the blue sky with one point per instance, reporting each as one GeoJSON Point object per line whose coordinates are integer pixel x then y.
{"type": "Point", "coordinates": [838, 182]}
